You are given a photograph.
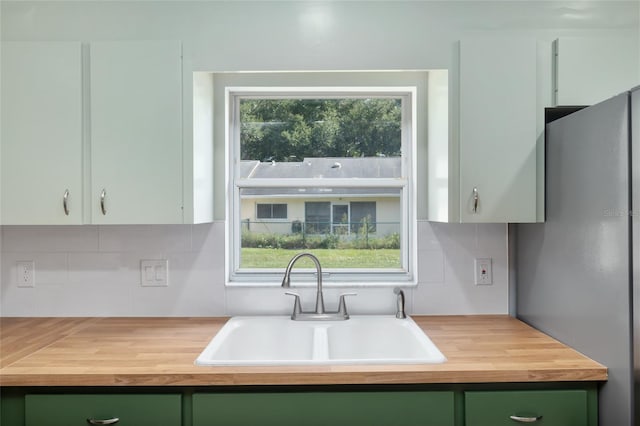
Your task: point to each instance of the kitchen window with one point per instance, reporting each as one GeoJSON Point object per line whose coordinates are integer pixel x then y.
{"type": "Point", "coordinates": [328, 170]}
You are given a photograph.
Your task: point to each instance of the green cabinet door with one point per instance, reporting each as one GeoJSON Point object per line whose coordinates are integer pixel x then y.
{"type": "Point", "coordinates": [81, 410]}
{"type": "Point", "coordinates": [509, 408]}
{"type": "Point", "coordinates": [373, 408]}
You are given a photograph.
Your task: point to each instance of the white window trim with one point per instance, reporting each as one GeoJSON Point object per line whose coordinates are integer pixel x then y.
{"type": "Point", "coordinates": [355, 277]}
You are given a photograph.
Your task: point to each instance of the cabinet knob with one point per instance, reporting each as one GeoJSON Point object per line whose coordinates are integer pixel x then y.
{"type": "Point", "coordinates": [111, 421]}
{"type": "Point", "coordinates": [65, 205]}
{"type": "Point", "coordinates": [523, 419]}
{"type": "Point", "coordinates": [103, 195]}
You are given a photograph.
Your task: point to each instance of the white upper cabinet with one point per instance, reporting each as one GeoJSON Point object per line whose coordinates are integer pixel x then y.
{"type": "Point", "coordinates": [492, 168]}
{"type": "Point", "coordinates": [588, 70]}
{"type": "Point", "coordinates": [136, 132]}
{"type": "Point", "coordinates": [41, 136]}
{"type": "Point", "coordinates": [101, 126]}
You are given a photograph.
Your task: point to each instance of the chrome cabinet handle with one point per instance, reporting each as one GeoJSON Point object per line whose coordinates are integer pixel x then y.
{"type": "Point", "coordinates": [525, 419]}
{"type": "Point", "coordinates": [476, 198]}
{"type": "Point", "coordinates": [111, 421]}
{"type": "Point", "coordinates": [103, 194]}
{"type": "Point", "coordinates": [65, 205]}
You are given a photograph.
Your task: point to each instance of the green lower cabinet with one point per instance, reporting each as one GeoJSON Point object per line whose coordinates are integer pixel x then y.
{"type": "Point", "coordinates": [402, 408]}
{"type": "Point", "coordinates": [103, 409]}
{"type": "Point", "coordinates": [509, 408]}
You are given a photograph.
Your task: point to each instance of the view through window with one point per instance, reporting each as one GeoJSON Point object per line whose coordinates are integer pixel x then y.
{"type": "Point", "coordinates": [321, 172]}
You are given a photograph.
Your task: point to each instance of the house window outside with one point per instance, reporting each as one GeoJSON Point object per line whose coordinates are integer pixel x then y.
{"type": "Point", "coordinates": [339, 218]}
{"type": "Point", "coordinates": [330, 163]}
{"type": "Point", "coordinates": [363, 217]}
{"type": "Point", "coordinates": [271, 211]}
{"type": "Point", "coordinates": [317, 217]}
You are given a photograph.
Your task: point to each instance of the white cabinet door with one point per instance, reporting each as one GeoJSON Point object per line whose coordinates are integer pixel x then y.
{"type": "Point", "coordinates": [41, 133]}
{"type": "Point", "coordinates": [588, 70]}
{"type": "Point", "coordinates": [136, 132]}
{"type": "Point", "coordinates": [498, 129]}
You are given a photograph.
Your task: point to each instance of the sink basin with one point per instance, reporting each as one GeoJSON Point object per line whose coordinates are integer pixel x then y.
{"type": "Point", "coordinates": [277, 340]}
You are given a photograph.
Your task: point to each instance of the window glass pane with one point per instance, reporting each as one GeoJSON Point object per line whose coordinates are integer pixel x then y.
{"type": "Point", "coordinates": [290, 130]}
{"type": "Point", "coordinates": [279, 211]}
{"type": "Point", "coordinates": [340, 239]}
{"type": "Point", "coordinates": [363, 215]}
{"type": "Point", "coordinates": [263, 211]}
{"type": "Point", "coordinates": [340, 219]}
{"type": "Point", "coordinates": [317, 217]}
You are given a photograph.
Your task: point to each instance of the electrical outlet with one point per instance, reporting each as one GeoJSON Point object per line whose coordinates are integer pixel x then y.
{"type": "Point", "coordinates": [26, 273]}
{"type": "Point", "coordinates": [154, 273]}
{"type": "Point", "coordinates": [483, 272]}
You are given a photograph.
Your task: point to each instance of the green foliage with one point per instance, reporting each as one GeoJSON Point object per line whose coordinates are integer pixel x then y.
{"type": "Point", "coordinates": [289, 241]}
{"type": "Point", "coordinates": [301, 241]}
{"type": "Point", "coordinates": [292, 129]}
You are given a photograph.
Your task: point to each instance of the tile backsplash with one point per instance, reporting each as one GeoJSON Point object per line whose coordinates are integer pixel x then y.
{"type": "Point", "coordinates": [95, 271]}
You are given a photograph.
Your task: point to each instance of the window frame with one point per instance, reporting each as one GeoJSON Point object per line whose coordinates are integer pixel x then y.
{"type": "Point", "coordinates": [405, 276]}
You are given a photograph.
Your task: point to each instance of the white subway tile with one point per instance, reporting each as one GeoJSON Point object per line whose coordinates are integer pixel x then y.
{"type": "Point", "coordinates": [208, 237]}
{"type": "Point", "coordinates": [95, 298]}
{"type": "Point", "coordinates": [427, 239]}
{"type": "Point", "coordinates": [492, 237]}
{"type": "Point", "coordinates": [155, 238]}
{"type": "Point", "coordinates": [106, 268]}
{"type": "Point", "coordinates": [430, 266]}
{"type": "Point", "coordinates": [50, 238]}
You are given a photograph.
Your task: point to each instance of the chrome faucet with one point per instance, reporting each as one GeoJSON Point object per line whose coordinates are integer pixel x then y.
{"type": "Point", "coordinates": [320, 313]}
{"type": "Point", "coordinates": [399, 303]}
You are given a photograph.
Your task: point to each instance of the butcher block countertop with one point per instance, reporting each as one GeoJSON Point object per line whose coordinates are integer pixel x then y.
{"type": "Point", "coordinates": [161, 352]}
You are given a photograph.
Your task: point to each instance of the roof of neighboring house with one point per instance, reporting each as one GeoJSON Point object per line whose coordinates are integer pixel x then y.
{"type": "Point", "coordinates": [323, 168]}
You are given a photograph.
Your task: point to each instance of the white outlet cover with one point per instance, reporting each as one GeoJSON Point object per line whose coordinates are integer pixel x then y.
{"type": "Point", "coordinates": [26, 273]}
{"type": "Point", "coordinates": [483, 272]}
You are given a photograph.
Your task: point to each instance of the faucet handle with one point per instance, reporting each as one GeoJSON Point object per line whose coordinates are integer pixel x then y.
{"type": "Point", "coordinates": [297, 307]}
{"type": "Point", "coordinates": [342, 306]}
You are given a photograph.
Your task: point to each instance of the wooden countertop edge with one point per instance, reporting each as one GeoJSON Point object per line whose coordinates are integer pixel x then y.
{"type": "Point", "coordinates": [305, 378]}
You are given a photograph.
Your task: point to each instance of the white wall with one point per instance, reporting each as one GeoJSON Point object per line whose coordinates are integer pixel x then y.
{"type": "Point", "coordinates": [91, 270]}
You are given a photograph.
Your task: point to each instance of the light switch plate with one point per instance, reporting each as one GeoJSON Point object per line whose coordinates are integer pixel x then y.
{"type": "Point", "coordinates": [154, 273]}
{"type": "Point", "coordinates": [483, 271]}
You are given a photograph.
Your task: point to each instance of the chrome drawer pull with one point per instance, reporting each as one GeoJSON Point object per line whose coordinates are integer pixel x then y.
{"type": "Point", "coordinates": [65, 206]}
{"type": "Point", "coordinates": [112, 421]}
{"type": "Point", "coordinates": [525, 419]}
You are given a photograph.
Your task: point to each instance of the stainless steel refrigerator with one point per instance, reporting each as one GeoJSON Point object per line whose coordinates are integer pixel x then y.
{"type": "Point", "coordinates": [578, 274]}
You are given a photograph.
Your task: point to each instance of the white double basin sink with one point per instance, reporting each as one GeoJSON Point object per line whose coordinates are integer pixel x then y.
{"type": "Point", "coordinates": [277, 340]}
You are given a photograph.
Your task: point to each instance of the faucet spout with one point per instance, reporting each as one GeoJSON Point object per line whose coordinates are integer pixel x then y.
{"type": "Point", "coordinates": [286, 281]}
